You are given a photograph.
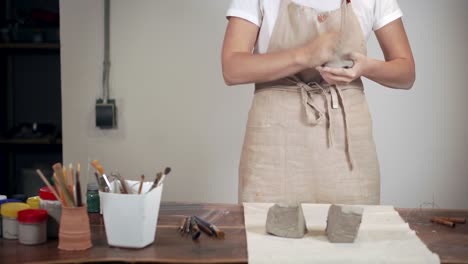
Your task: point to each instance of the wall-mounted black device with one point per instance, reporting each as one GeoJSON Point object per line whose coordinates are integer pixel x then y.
{"type": "Point", "coordinates": [106, 114]}
{"type": "Point", "coordinates": [106, 109]}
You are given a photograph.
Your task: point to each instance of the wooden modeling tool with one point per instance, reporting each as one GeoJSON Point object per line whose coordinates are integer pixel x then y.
{"type": "Point", "coordinates": [52, 189]}
{"type": "Point", "coordinates": [66, 194]}
{"type": "Point", "coordinates": [442, 221]}
{"type": "Point", "coordinates": [72, 181]}
{"type": "Point", "coordinates": [456, 220]}
{"type": "Point", "coordinates": [64, 175]}
{"type": "Point", "coordinates": [57, 187]}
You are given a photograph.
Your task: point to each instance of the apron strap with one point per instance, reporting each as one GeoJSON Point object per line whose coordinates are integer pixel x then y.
{"type": "Point", "coordinates": [315, 116]}
{"type": "Point", "coordinates": [346, 123]}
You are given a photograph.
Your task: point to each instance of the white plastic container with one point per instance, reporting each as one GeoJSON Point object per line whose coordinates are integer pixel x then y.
{"type": "Point", "coordinates": [9, 213]}
{"type": "Point", "coordinates": [49, 202]}
{"type": "Point", "coordinates": [131, 219]}
{"type": "Point", "coordinates": [32, 226]}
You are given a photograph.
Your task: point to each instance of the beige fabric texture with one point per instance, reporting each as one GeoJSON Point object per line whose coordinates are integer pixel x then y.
{"type": "Point", "coordinates": [383, 237]}
{"type": "Point", "coordinates": [307, 141]}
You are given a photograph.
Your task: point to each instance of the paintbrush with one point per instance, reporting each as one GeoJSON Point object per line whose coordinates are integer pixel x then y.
{"type": "Point", "coordinates": [206, 229]}
{"type": "Point", "coordinates": [66, 194]}
{"type": "Point", "coordinates": [125, 188]}
{"type": "Point", "coordinates": [195, 230]}
{"type": "Point", "coordinates": [64, 174]}
{"type": "Point", "coordinates": [52, 189]}
{"type": "Point", "coordinates": [142, 179]}
{"type": "Point", "coordinates": [57, 187]}
{"type": "Point", "coordinates": [101, 183]}
{"type": "Point", "coordinates": [156, 181]}
{"type": "Point", "coordinates": [72, 184]}
{"type": "Point", "coordinates": [100, 170]}
{"type": "Point", "coordinates": [78, 186]}
{"type": "Point", "coordinates": [182, 225]}
{"type": "Point", "coordinates": [188, 225]}
{"type": "Point", "coordinates": [214, 229]}
{"type": "Point", "coordinates": [98, 181]}
{"type": "Point", "coordinates": [167, 170]}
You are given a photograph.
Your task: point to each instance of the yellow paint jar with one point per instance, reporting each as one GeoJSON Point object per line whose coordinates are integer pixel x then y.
{"type": "Point", "coordinates": [9, 213]}
{"type": "Point", "coordinates": [34, 202]}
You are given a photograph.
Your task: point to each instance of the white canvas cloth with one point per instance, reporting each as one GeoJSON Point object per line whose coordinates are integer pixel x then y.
{"type": "Point", "coordinates": [383, 237]}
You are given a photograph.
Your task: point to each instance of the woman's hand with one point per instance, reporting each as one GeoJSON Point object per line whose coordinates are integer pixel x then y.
{"type": "Point", "coordinates": [319, 50]}
{"type": "Point", "coordinates": [397, 71]}
{"type": "Point", "coordinates": [345, 75]}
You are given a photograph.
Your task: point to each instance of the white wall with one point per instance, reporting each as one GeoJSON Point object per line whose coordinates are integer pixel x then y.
{"type": "Point", "coordinates": [175, 110]}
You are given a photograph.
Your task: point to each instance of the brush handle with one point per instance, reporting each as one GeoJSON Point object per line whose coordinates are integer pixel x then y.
{"type": "Point", "coordinates": [66, 194]}
{"type": "Point", "coordinates": [78, 190]}
{"type": "Point", "coordinates": [206, 229]}
{"type": "Point", "coordinates": [142, 179]}
{"type": "Point", "coordinates": [78, 187]}
{"type": "Point", "coordinates": [98, 181]}
{"type": "Point", "coordinates": [182, 224]}
{"type": "Point", "coordinates": [442, 221]}
{"type": "Point", "coordinates": [194, 229]}
{"type": "Point", "coordinates": [52, 189]}
{"type": "Point", "coordinates": [78, 194]}
{"type": "Point", "coordinates": [456, 220]}
{"type": "Point", "coordinates": [106, 180]}
{"type": "Point", "coordinates": [126, 189]}
{"type": "Point", "coordinates": [206, 224]}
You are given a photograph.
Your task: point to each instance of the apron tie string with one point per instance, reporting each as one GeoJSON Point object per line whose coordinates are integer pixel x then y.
{"type": "Point", "coordinates": [315, 116]}
{"type": "Point", "coordinates": [346, 123]}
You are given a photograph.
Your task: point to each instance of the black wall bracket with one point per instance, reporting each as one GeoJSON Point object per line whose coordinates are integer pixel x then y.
{"type": "Point", "coordinates": [106, 114]}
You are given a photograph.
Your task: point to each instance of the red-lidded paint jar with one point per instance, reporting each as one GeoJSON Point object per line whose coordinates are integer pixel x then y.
{"type": "Point", "coordinates": [49, 202]}
{"type": "Point", "coordinates": [32, 226]}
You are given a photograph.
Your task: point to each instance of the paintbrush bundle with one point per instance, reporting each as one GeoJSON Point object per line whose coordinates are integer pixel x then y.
{"type": "Point", "coordinates": [193, 226]}
{"type": "Point", "coordinates": [67, 184]}
{"type": "Point", "coordinates": [120, 185]}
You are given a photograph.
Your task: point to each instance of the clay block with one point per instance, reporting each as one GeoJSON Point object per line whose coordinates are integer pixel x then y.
{"type": "Point", "coordinates": [343, 223]}
{"type": "Point", "coordinates": [286, 221]}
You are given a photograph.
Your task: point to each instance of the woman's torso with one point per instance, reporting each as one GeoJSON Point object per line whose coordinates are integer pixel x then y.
{"type": "Point", "coordinates": [368, 14]}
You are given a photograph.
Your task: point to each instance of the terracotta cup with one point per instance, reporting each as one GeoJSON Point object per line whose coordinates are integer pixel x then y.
{"type": "Point", "coordinates": [74, 232]}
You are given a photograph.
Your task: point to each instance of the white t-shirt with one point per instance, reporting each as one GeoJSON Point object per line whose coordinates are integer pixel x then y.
{"type": "Point", "coordinates": [372, 14]}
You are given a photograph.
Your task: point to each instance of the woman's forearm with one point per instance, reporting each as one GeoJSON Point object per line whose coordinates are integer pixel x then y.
{"type": "Point", "coordinates": [397, 73]}
{"type": "Point", "coordinates": [398, 70]}
{"type": "Point", "coordinates": [243, 67]}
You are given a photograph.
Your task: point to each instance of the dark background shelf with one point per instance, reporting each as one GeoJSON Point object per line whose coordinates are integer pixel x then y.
{"type": "Point", "coordinates": [29, 91]}
{"type": "Point", "coordinates": [38, 46]}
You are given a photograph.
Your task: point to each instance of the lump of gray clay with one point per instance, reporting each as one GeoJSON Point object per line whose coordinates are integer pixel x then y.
{"type": "Point", "coordinates": [343, 223]}
{"type": "Point", "coordinates": [286, 221]}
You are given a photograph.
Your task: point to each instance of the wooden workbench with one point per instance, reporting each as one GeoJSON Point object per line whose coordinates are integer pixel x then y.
{"type": "Point", "coordinates": [170, 247]}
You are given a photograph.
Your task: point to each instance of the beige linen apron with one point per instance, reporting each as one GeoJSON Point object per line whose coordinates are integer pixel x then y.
{"type": "Point", "coordinates": [307, 141]}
